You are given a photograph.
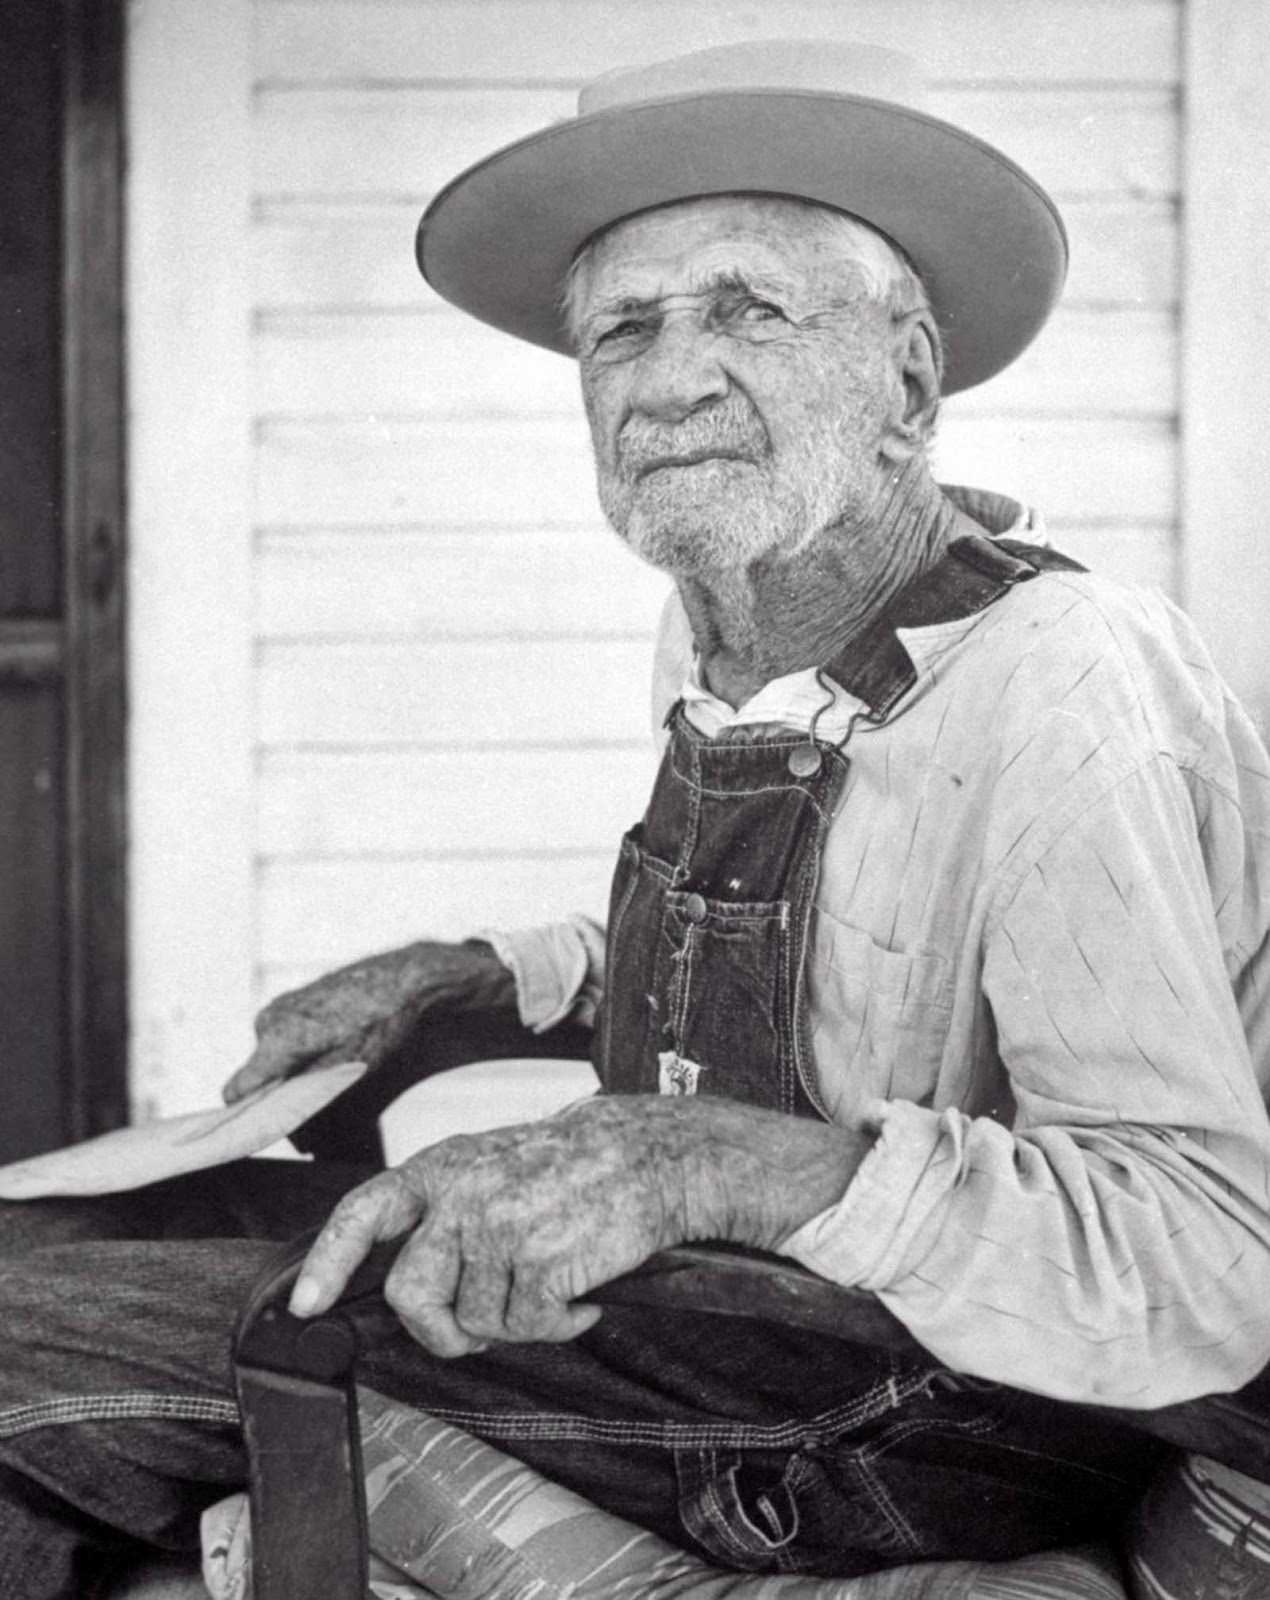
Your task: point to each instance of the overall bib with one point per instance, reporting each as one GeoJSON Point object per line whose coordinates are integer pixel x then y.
{"type": "Point", "coordinates": [711, 904]}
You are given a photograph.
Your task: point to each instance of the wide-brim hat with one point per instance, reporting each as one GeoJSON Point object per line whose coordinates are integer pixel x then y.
{"type": "Point", "coordinates": [818, 120]}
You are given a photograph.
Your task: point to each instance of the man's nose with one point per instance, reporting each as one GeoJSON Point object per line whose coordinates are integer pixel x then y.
{"type": "Point", "coordinates": [680, 371]}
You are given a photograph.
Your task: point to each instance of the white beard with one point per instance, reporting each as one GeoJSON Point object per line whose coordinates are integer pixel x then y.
{"type": "Point", "coordinates": [703, 519]}
{"type": "Point", "coordinates": [721, 515]}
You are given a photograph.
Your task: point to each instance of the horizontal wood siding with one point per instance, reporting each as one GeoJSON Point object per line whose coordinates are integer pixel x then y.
{"type": "Point", "coordinates": [389, 363]}
{"type": "Point", "coordinates": [382, 802]}
{"type": "Point", "coordinates": [436, 582]}
{"type": "Point", "coordinates": [400, 41]}
{"type": "Point", "coordinates": [451, 653]}
{"type": "Point", "coordinates": [322, 910]}
{"type": "Point", "coordinates": [529, 472]}
{"type": "Point", "coordinates": [380, 142]}
{"type": "Point", "coordinates": [407, 692]}
{"type": "Point", "coordinates": [351, 253]}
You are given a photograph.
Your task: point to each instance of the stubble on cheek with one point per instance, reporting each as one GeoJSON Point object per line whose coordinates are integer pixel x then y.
{"type": "Point", "coordinates": [685, 518]}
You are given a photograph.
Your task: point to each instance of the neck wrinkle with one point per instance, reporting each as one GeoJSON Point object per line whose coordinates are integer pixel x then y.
{"type": "Point", "coordinates": [779, 617]}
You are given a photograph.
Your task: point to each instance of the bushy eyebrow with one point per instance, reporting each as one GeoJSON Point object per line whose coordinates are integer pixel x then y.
{"type": "Point", "coordinates": [720, 283]}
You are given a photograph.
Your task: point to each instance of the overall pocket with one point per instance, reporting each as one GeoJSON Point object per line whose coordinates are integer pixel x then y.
{"type": "Point", "coordinates": [724, 992]}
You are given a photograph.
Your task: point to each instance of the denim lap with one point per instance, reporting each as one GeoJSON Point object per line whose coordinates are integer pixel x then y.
{"type": "Point", "coordinates": [763, 1448]}
{"type": "Point", "coordinates": [774, 1450]}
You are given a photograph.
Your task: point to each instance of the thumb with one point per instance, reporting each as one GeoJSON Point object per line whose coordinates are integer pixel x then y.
{"type": "Point", "coordinates": [259, 1068]}
{"type": "Point", "coordinates": [275, 1057]}
{"type": "Point", "coordinates": [574, 1319]}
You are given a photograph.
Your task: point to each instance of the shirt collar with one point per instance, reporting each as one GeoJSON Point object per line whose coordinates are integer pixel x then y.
{"type": "Point", "coordinates": [880, 665]}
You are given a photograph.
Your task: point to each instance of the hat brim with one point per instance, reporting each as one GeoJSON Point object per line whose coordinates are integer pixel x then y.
{"type": "Point", "coordinates": [989, 243]}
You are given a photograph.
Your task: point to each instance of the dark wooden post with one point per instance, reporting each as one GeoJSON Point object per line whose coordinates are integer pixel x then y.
{"type": "Point", "coordinates": [94, 570]}
{"type": "Point", "coordinates": [62, 950]}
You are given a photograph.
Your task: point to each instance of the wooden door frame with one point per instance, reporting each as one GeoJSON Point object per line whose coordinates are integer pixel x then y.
{"type": "Point", "coordinates": [191, 725]}
{"type": "Point", "coordinates": [94, 598]}
{"type": "Point", "coordinates": [1225, 380]}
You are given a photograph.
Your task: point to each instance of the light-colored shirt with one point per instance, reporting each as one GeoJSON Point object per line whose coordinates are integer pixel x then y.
{"type": "Point", "coordinates": [1038, 968]}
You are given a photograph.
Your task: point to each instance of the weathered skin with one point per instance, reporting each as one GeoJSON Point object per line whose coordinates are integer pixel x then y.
{"type": "Point", "coordinates": [759, 427]}
{"type": "Point", "coordinates": [731, 331]}
{"type": "Point", "coordinates": [510, 1227]}
{"type": "Point", "coordinates": [363, 1012]}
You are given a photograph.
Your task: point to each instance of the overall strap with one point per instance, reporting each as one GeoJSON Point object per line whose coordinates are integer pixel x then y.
{"type": "Point", "coordinates": [973, 572]}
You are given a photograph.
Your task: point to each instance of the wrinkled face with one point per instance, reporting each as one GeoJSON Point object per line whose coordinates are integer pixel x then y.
{"type": "Point", "coordinates": [736, 375]}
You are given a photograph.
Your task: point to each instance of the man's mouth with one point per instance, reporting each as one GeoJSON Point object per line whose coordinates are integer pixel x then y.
{"type": "Point", "coordinates": [689, 458]}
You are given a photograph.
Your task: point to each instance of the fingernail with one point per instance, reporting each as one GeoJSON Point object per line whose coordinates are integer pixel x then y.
{"type": "Point", "coordinates": [304, 1297]}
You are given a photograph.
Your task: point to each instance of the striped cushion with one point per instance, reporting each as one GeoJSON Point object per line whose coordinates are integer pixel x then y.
{"type": "Point", "coordinates": [462, 1519]}
{"type": "Point", "coordinates": [1202, 1532]}
{"type": "Point", "coordinates": [454, 1518]}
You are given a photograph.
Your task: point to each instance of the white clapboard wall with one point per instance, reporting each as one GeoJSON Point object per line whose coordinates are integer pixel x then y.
{"type": "Point", "coordinates": [447, 687]}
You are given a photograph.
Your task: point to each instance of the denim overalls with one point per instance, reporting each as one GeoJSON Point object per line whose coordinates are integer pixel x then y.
{"type": "Point", "coordinates": [711, 903]}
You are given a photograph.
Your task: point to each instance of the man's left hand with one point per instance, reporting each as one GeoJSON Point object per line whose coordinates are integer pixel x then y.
{"type": "Point", "coordinates": [508, 1229]}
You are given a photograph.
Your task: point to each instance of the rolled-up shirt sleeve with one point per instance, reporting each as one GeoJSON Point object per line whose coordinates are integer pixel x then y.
{"type": "Point", "coordinates": [1113, 1242]}
{"type": "Point", "coordinates": [558, 967]}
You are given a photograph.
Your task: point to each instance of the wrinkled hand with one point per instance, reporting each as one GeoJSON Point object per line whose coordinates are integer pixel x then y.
{"type": "Point", "coordinates": [365, 1011]}
{"type": "Point", "coordinates": [508, 1229]}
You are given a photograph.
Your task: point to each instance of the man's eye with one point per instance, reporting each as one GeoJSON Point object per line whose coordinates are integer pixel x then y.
{"type": "Point", "coordinates": [629, 329]}
{"type": "Point", "coordinates": [758, 311]}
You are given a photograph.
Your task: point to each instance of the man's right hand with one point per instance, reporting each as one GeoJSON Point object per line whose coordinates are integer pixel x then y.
{"type": "Point", "coordinates": [365, 1011]}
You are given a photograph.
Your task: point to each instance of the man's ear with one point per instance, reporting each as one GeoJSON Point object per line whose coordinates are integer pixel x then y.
{"type": "Point", "coordinates": [919, 370]}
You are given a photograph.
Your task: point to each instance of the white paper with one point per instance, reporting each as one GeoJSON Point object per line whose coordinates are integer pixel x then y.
{"type": "Point", "coordinates": [131, 1157]}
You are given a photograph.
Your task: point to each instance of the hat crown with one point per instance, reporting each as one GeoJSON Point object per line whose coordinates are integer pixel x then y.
{"type": "Point", "coordinates": [825, 66]}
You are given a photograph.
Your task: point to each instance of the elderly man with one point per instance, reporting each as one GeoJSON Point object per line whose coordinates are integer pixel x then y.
{"type": "Point", "coordinates": [937, 961]}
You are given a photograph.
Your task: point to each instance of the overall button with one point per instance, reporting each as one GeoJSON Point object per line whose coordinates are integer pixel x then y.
{"type": "Point", "coordinates": [804, 762]}
{"type": "Point", "coordinates": [695, 908]}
